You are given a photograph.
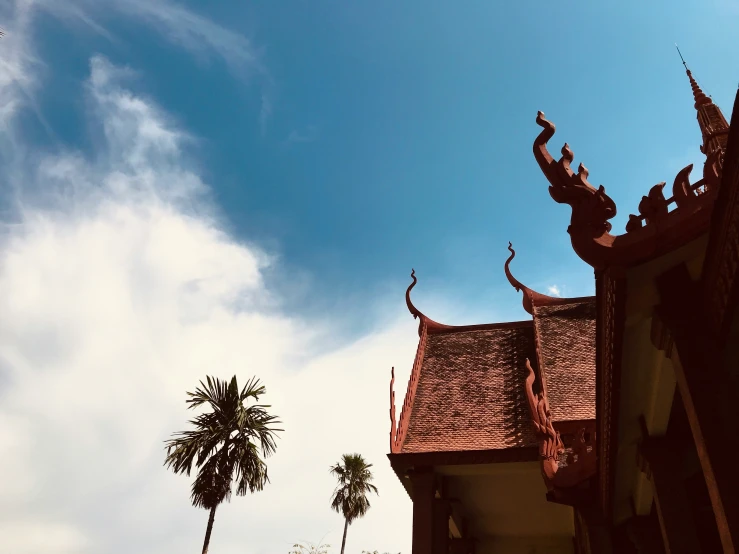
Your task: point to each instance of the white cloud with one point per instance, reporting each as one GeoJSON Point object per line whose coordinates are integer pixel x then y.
{"type": "Point", "coordinates": [554, 290]}
{"type": "Point", "coordinates": [120, 291]}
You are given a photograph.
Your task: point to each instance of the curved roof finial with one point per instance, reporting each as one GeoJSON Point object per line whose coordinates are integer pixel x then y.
{"type": "Point", "coordinates": [530, 297]}
{"type": "Point", "coordinates": [411, 308]}
{"type": "Point", "coordinates": [417, 314]}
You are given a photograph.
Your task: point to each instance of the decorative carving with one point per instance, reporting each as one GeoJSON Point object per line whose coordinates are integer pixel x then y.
{"type": "Point", "coordinates": [591, 207]}
{"type": "Point", "coordinates": [530, 297]}
{"type": "Point", "coordinates": [654, 206]}
{"type": "Point", "coordinates": [580, 462]}
{"type": "Point", "coordinates": [682, 192]}
{"type": "Point", "coordinates": [655, 231]}
{"type": "Point", "coordinates": [417, 314]}
{"type": "Point", "coordinates": [634, 223]}
{"type": "Point", "coordinates": [393, 423]}
{"type": "Point", "coordinates": [713, 169]}
{"type": "Point", "coordinates": [550, 444]}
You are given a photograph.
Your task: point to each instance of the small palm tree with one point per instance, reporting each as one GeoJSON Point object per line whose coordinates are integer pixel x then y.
{"type": "Point", "coordinates": [225, 444]}
{"type": "Point", "coordinates": [310, 548]}
{"type": "Point", "coordinates": [350, 496]}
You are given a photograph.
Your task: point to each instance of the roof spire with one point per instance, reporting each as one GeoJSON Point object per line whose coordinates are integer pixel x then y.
{"type": "Point", "coordinates": [712, 122]}
{"type": "Point", "coordinates": [698, 94]}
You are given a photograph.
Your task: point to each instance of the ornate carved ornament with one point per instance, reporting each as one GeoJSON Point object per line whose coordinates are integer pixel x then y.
{"type": "Point", "coordinates": [530, 297]}
{"type": "Point", "coordinates": [393, 425]}
{"type": "Point", "coordinates": [429, 323]}
{"type": "Point", "coordinates": [662, 223]}
{"type": "Point", "coordinates": [562, 468]}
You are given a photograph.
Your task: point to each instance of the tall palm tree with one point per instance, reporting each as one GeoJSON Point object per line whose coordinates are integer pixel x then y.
{"type": "Point", "coordinates": [225, 445]}
{"type": "Point", "coordinates": [350, 496]}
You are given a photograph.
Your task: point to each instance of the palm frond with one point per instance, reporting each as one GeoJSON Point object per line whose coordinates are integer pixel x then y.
{"type": "Point", "coordinates": [354, 484]}
{"type": "Point", "coordinates": [227, 443]}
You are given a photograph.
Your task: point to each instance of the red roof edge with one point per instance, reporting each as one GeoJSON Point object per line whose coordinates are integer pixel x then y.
{"type": "Point", "coordinates": [530, 297]}
{"type": "Point", "coordinates": [393, 426]}
{"type": "Point", "coordinates": [399, 434]}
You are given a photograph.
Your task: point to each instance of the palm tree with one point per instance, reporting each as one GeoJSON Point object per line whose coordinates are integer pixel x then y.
{"type": "Point", "coordinates": [310, 548]}
{"type": "Point", "coordinates": [225, 444]}
{"type": "Point", "coordinates": [350, 496]}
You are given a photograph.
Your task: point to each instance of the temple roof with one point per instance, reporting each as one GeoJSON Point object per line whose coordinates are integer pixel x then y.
{"type": "Point", "coordinates": [470, 393]}
{"type": "Point", "coordinates": [565, 336]}
{"type": "Point", "coordinates": [466, 391]}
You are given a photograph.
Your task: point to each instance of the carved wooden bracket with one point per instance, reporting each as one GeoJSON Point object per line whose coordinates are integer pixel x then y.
{"type": "Point", "coordinates": [580, 463]}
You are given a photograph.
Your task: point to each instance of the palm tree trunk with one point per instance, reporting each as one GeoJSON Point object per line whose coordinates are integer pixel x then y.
{"type": "Point", "coordinates": [210, 528]}
{"type": "Point", "coordinates": [343, 541]}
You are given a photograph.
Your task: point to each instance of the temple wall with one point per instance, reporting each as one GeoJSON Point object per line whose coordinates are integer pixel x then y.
{"type": "Point", "coordinates": [525, 545]}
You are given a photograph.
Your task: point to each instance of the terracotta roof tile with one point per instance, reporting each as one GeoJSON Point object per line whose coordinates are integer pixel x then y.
{"type": "Point", "coordinates": [566, 347]}
{"type": "Point", "coordinates": [470, 393]}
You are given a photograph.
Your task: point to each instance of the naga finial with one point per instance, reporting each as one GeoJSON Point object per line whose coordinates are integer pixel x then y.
{"type": "Point", "coordinates": [591, 207]}
{"type": "Point", "coordinates": [529, 296]}
{"type": "Point", "coordinates": [425, 322]}
{"type": "Point", "coordinates": [411, 308]}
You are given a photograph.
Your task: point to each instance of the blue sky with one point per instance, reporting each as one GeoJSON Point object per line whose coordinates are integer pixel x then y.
{"type": "Point", "coordinates": [366, 139]}
{"type": "Point", "coordinates": [191, 187]}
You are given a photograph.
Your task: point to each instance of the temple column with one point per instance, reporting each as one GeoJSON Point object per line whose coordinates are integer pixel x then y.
{"type": "Point", "coordinates": [442, 511]}
{"type": "Point", "coordinates": [703, 385]}
{"type": "Point", "coordinates": [423, 482]}
{"type": "Point", "coordinates": [673, 509]}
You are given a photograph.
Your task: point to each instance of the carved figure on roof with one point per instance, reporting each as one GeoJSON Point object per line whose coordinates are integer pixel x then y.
{"type": "Point", "coordinates": [581, 462]}
{"type": "Point", "coordinates": [591, 207]}
{"type": "Point", "coordinates": [663, 224]}
{"type": "Point", "coordinates": [429, 323]}
{"type": "Point", "coordinates": [530, 297]}
{"type": "Point", "coordinates": [550, 444]}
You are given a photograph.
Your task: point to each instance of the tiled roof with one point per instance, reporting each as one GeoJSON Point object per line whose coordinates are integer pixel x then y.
{"type": "Point", "coordinates": [470, 393]}
{"type": "Point", "coordinates": [565, 334]}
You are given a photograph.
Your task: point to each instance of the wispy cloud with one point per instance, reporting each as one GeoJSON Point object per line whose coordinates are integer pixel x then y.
{"type": "Point", "coordinates": [554, 290]}
{"type": "Point", "coordinates": [195, 33]}
{"type": "Point", "coordinates": [180, 26]}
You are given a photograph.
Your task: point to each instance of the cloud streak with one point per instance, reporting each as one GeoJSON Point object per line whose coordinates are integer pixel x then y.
{"type": "Point", "coordinates": [181, 27]}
